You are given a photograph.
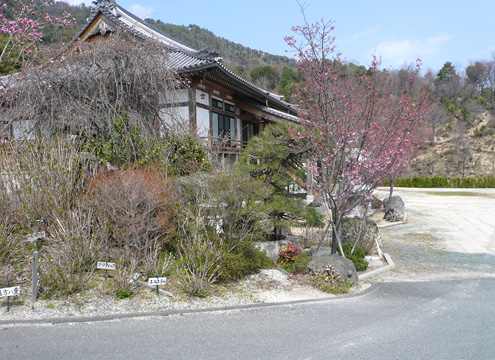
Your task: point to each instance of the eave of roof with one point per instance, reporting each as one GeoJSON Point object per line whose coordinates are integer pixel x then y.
{"type": "Point", "coordinates": [185, 59]}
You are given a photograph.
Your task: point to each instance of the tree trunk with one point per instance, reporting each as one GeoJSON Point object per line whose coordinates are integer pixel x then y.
{"type": "Point", "coordinates": [392, 184]}
{"type": "Point", "coordinates": [336, 231]}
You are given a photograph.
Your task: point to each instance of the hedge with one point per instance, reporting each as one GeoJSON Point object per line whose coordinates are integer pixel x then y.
{"type": "Point", "coordinates": [443, 182]}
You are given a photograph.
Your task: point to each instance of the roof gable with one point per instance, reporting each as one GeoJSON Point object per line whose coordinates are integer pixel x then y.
{"type": "Point", "coordinates": [108, 16]}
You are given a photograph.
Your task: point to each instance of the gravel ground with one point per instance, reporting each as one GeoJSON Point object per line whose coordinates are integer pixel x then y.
{"type": "Point", "coordinates": [449, 234]}
{"type": "Point", "coordinates": [269, 286]}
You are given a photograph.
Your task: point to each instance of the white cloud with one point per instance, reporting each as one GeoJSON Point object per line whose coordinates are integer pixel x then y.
{"type": "Point", "coordinates": [141, 11]}
{"type": "Point", "coordinates": [360, 35]}
{"type": "Point", "coordinates": [397, 53]}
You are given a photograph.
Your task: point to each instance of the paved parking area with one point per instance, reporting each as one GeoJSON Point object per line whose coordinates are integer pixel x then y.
{"type": "Point", "coordinates": [449, 234]}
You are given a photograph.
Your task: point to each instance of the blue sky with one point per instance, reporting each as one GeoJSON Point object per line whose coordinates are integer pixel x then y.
{"type": "Point", "coordinates": [399, 31]}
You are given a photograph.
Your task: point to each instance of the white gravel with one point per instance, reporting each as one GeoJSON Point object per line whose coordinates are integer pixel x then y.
{"type": "Point", "coordinates": [269, 286]}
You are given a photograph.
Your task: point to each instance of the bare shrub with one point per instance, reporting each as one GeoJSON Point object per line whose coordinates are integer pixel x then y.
{"type": "Point", "coordinates": [361, 232]}
{"type": "Point", "coordinates": [59, 275]}
{"type": "Point", "coordinates": [156, 264]}
{"type": "Point", "coordinates": [138, 205]}
{"type": "Point", "coordinates": [123, 279]}
{"type": "Point", "coordinates": [70, 255]}
{"type": "Point", "coordinates": [42, 178]}
{"type": "Point", "coordinates": [94, 82]}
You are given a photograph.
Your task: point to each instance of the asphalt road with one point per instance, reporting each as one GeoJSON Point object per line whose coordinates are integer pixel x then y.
{"type": "Point", "coordinates": [421, 320]}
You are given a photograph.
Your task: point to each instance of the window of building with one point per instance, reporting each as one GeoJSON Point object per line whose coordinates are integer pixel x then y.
{"type": "Point", "coordinates": [224, 129]}
{"type": "Point", "coordinates": [248, 131]}
{"type": "Point", "coordinates": [217, 103]}
{"type": "Point", "coordinates": [229, 108]}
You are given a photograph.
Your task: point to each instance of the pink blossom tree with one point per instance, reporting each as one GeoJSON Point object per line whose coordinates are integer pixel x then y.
{"type": "Point", "coordinates": [362, 131]}
{"type": "Point", "coordinates": [22, 28]}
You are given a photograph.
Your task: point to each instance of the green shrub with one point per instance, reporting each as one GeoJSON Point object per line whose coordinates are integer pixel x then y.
{"type": "Point", "coordinates": [299, 265]}
{"type": "Point", "coordinates": [479, 132]}
{"type": "Point", "coordinates": [243, 260]}
{"type": "Point", "coordinates": [443, 182]}
{"type": "Point", "coordinates": [357, 257]}
{"type": "Point", "coordinates": [481, 100]}
{"type": "Point", "coordinates": [291, 259]}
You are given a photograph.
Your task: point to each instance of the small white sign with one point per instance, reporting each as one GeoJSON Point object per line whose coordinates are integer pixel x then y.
{"type": "Point", "coordinates": [157, 281]}
{"type": "Point", "coordinates": [10, 291]}
{"type": "Point", "coordinates": [35, 236]}
{"type": "Point", "coordinates": [106, 265]}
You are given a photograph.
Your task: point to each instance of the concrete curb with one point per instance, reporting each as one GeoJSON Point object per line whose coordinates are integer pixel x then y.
{"type": "Point", "coordinates": [109, 317]}
{"type": "Point", "coordinates": [388, 267]}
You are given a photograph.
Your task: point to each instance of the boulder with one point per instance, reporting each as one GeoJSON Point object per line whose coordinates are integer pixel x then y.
{"type": "Point", "coordinates": [393, 215]}
{"type": "Point", "coordinates": [394, 203]}
{"type": "Point", "coordinates": [394, 208]}
{"type": "Point", "coordinates": [271, 247]}
{"type": "Point", "coordinates": [343, 266]}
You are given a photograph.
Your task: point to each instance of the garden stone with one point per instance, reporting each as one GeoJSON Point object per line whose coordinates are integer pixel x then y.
{"type": "Point", "coordinates": [395, 202]}
{"type": "Point", "coordinates": [271, 248]}
{"type": "Point", "coordinates": [324, 251]}
{"type": "Point", "coordinates": [394, 209]}
{"type": "Point", "coordinates": [393, 215]}
{"type": "Point", "coordinates": [343, 266]}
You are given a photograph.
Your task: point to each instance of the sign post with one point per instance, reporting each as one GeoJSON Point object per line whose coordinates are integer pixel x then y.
{"type": "Point", "coordinates": [33, 238]}
{"type": "Point", "coordinates": [103, 265]}
{"type": "Point", "coordinates": [157, 281]}
{"type": "Point", "coordinates": [8, 292]}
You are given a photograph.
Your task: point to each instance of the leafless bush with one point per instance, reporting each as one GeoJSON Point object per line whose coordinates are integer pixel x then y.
{"type": "Point", "coordinates": [138, 205]}
{"type": "Point", "coordinates": [123, 279]}
{"type": "Point", "coordinates": [95, 82]}
{"type": "Point", "coordinates": [41, 179]}
{"type": "Point", "coordinates": [156, 263]}
{"type": "Point", "coordinates": [60, 274]}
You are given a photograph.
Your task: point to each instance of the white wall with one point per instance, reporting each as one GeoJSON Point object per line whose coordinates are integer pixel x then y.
{"type": "Point", "coordinates": [175, 119]}
{"type": "Point", "coordinates": [202, 122]}
{"type": "Point", "coordinates": [174, 96]}
{"type": "Point", "coordinates": [199, 100]}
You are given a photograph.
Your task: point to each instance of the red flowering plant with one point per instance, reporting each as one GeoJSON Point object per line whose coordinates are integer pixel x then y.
{"type": "Point", "coordinates": [287, 254]}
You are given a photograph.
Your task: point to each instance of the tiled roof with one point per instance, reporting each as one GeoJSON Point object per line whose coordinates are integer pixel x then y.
{"type": "Point", "coordinates": [184, 58]}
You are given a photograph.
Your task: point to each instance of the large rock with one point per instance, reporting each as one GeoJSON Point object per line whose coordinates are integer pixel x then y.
{"type": "Point", "coordinates": [343, 266]}
{"type": "Point", "coordinates": [393, 215]}
{"type": "Point", "coordinates": [394, 203]}
{"type": "Point", "coordinates": [394, 209]}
